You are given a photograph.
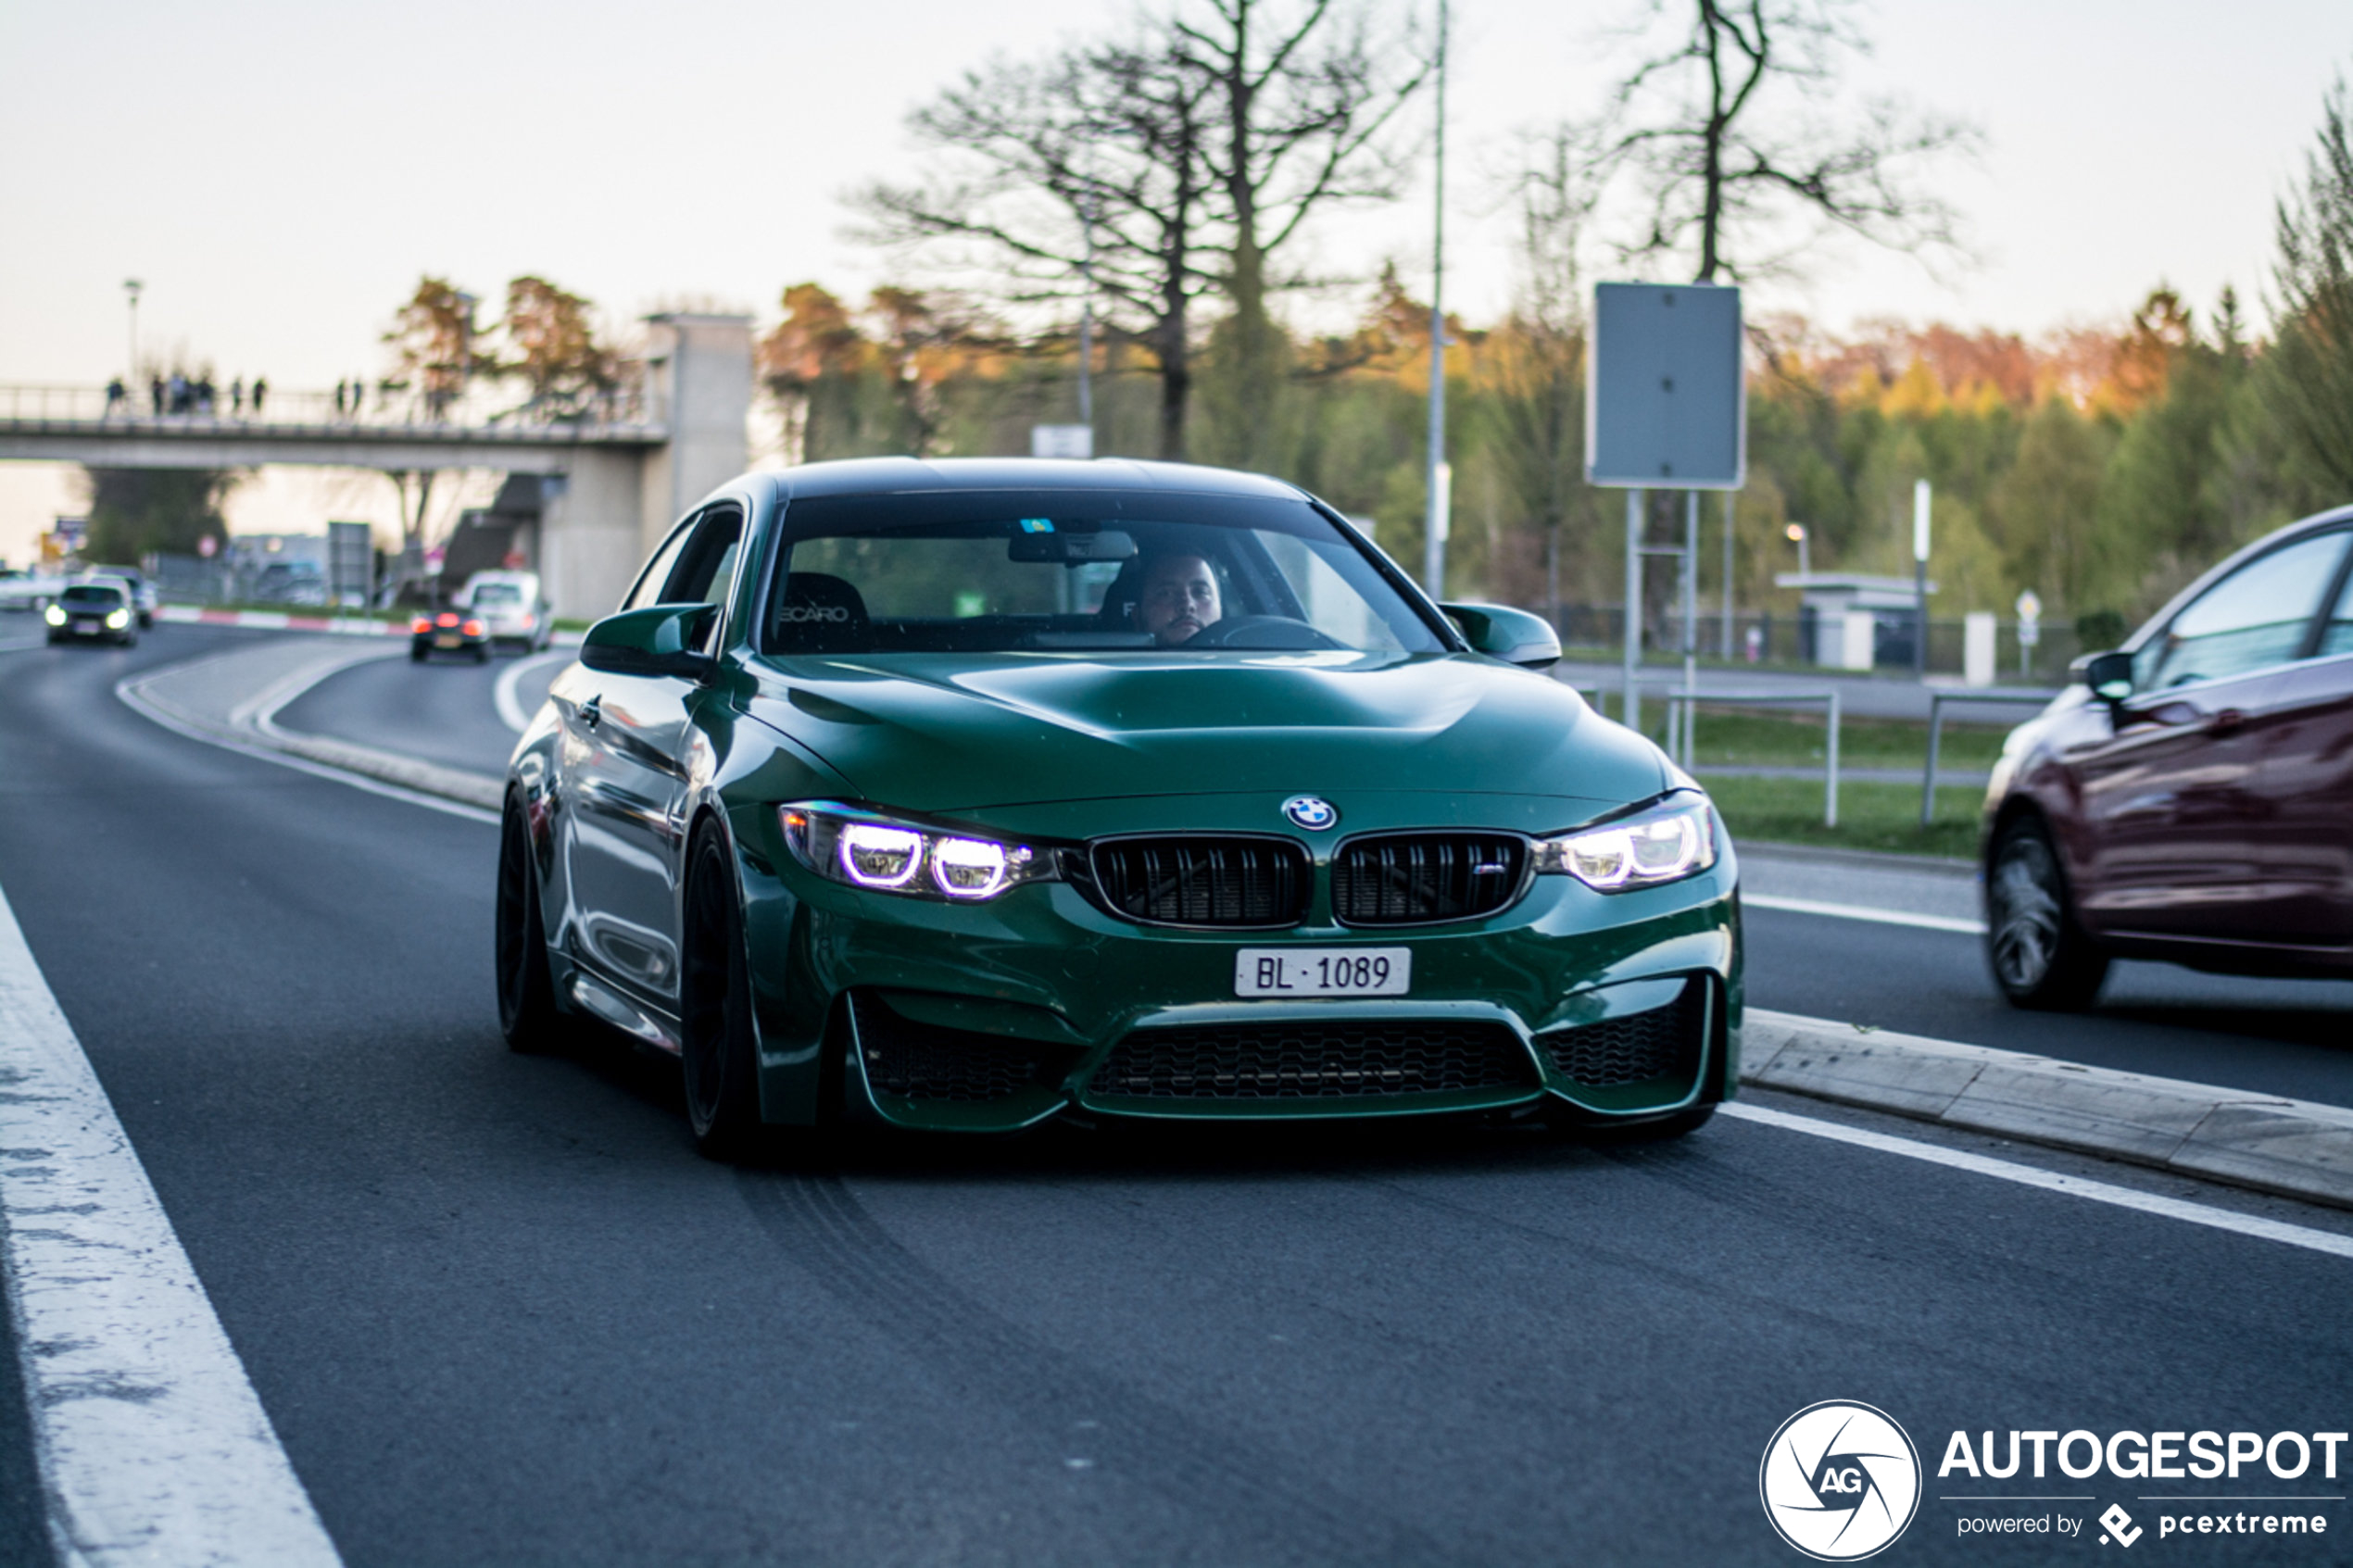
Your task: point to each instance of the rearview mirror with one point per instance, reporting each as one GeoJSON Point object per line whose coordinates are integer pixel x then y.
{"type": "Point", "coordinates": [659, 640]}
{"type": "Point", "coordinates": [1513, 636]}
{"type": "Point", "coordinates": [2109, 675]}
{"type": "Point", "coordinates": [1070, 547]}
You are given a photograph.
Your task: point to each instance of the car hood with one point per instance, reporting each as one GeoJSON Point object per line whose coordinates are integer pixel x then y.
{"type": "Point", "coordinates": [945, 733]}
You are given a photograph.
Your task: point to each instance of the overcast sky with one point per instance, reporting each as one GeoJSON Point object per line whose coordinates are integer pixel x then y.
{"type": "Point", "coordinates": [280, 173]}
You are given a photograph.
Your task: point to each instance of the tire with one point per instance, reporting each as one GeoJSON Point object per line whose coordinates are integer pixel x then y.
{"type": "Point", "coordinates": [416, 653]}
{"type": "Point", "coordinates": [482, 653]}
{"type": "Point", "coordinates": [2041, 956]}
{"type": "Point", "coordinates": [719, 1055]}
{"type": "Point", "coordinates": [527, 1012]}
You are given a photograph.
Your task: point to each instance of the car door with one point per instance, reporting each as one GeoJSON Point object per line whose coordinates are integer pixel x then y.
{"type": "Point", "coordinates": [2307, 786]}
{"type": "Point", "coordinates": [2177, 821]}
{"type": "Point", "coordinates": [627, 783]}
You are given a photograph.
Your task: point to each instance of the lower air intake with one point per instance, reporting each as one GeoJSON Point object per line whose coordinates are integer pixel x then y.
{"type": "Point", "coordinates": [1643, 1047]}
{"type": "Point", "coordinates": [1273, 1060]}
{"type": "Point", "coordinates": [927, 1062]}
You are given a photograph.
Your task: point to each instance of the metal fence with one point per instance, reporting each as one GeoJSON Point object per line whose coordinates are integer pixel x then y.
{"type": "Point", "coordinates": [1786, 640]}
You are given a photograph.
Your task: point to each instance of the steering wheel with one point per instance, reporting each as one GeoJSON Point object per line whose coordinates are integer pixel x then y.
{"type": "Point", "coordinates": [1260, 631]}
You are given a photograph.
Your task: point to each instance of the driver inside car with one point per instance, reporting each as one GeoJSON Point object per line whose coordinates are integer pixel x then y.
{"type": "Point", "coordinates": [1178, 598]}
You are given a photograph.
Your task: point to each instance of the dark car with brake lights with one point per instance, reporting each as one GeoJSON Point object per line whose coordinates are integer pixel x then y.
{"type": "Point", "coordinates": [966, 795]}
{"type": "Point", "coordinates": [449, 630]}
{"type": "Point", "coordinates": [2190, 798]}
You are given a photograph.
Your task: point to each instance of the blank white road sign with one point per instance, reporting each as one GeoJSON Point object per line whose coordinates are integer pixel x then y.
{"type": "Point", "coordinates": [1666, 404]}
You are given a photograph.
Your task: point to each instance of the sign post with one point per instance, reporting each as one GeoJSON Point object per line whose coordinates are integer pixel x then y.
{"type": "Point", "coordinates": [2029, 627]}
{"type": "Point", "coordinates": [1920, 578]}
{"type": "Point", "coordinates": [1666, 407]}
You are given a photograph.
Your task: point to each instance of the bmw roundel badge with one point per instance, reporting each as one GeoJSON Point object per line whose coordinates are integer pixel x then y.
{"type": "Point", "coordinates": [1311, 812]}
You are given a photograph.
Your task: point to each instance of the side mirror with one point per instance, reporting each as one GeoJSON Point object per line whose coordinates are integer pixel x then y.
{"type": "Point", "coordinates": [1513, 636]}
{"type": "Point", "coordinates": [659, 640]}
{"type": "Point", "coordinates": [2109, 675]}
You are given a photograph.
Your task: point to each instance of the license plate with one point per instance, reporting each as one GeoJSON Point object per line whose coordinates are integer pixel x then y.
{"type": "Point", "coordinates": [449, 641]}
{"type": "Point", "coordinates": [1323, 972]}
{"type": "Point", "coordinates": [85, 625]}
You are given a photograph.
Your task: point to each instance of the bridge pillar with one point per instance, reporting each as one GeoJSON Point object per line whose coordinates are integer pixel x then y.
{"type": "Point", "coordinates": [590, 530]}
{"type": "Point", "coordinates": [603, 516]}
{"type": "Point", "coordinates": [702, 365]}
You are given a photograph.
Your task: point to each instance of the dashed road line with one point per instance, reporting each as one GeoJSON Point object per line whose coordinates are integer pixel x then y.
{"type": "Point", "coordinates": [2051, 1181]}
{"type": "Point", "coordinates": [152, 1445]}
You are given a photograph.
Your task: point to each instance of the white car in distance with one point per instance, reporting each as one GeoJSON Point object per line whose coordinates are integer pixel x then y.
{"type": "Point", "coordinates": [510, 607]}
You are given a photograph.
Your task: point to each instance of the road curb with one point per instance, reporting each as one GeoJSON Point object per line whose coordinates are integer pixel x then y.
{"type": "Point", "coordinates": [2293, 1147]}
{"type": "Point", "coordinates": [236, 699]}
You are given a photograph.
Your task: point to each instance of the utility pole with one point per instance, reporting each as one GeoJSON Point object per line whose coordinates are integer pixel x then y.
{"type": "Point", "coordinates": [1086, 317]}
{"type": "Point", "coordinates": [1441, 473]}
{"type": "Point", "coordinates": [130, 287]}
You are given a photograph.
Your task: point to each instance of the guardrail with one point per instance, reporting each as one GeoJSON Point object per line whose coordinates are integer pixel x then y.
{"type": "Point", "coordinates": [1937, 702]}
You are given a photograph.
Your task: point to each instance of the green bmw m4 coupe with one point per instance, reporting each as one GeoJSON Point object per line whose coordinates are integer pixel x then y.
{"type": "Point", "coordinates": [963, 795]}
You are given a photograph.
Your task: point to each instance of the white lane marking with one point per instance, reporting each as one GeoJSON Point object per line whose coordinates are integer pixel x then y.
{"type": "Point", "coordinates": [137, 700]}
{"type": "Point", "coordinates": [510, 711]}
{"type": "Point", "coordinates": [2051, 1181]}
{"type": "Point", "coordinates": [1863, 912]}
{"type": "Point", "coordinates": [152, 1445]}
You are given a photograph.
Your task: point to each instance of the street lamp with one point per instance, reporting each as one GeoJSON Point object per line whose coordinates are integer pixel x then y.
{"type": "Point", "coordinates": [1796, 533]}
{"type": "Point", "coordinates": [1441, 472]}
{"type": "Point", "coordinates": [130, 287]}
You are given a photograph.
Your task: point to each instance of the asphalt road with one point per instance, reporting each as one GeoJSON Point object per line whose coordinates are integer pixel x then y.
{"type": "Point", "coordinates": [501, 1313]}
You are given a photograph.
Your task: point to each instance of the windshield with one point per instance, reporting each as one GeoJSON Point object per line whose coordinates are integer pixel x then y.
{"type": "Point", "coordinates": [1066, 571]}
{"type": "Point", "coordinates": [487, 593]}
{"type": "Point", "coordinates": [92, 594]}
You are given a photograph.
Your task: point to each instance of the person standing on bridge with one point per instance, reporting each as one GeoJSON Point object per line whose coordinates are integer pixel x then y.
{"type": "Point", "coordinates": [116, 396]}
{"type": "Point", "coordinates": [342, 394]}
{"type": "Point", "coordinates": [261, 385]}
{"type": "Point", "coordinates": [155, 394]}
{"type": "Point", "coordinates": [359, 384]}
{"type": "Point", "coordinates": [237, 398]}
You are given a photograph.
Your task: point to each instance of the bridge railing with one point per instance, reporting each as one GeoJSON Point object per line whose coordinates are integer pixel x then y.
{"type": "Point", "coordinates": [233, 410]}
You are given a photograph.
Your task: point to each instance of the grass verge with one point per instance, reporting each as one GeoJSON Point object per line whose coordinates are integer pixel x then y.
{"type": "Point", "coordinates": [1884, 817]}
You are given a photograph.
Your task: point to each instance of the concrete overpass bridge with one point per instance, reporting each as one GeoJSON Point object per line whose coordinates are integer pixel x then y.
{"type": "Point", "coordinates": [612, 484]}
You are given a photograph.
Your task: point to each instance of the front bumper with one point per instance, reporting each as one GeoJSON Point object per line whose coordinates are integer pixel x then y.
{"type": "Point", "coordinates": [997, 1016]}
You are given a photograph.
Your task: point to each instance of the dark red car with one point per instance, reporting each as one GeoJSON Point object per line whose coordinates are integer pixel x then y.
{"type": "Point", "coordinates": [2192, 797]}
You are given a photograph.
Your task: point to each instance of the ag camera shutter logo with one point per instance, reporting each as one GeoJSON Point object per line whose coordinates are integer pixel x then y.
{"type": "Point", "coordinates": [1840, 1481]}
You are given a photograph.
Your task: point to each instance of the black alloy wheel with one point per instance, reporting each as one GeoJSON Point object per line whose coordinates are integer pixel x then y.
{"type": "Point", "coordinates": [719, 1058]}
{"type": "Point", "coordinates": [2041, 956]}
{"type": "Point", "coordinates": [527, 1012]}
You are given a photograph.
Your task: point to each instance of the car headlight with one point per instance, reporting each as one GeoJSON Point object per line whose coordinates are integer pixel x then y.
{"type": "Point", "coordinates": [118, 619]}
{"type": "Point", "coordinates": [1666, 842]}
{"type": "Point", "coordinates": [877, 852]}
{"type": "Point", "coordinates": [55, 615]}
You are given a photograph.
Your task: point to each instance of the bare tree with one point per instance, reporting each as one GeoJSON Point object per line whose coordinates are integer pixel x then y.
{"type": "Point", "coordinates": [1537, 421]}
{"type": "Point", "coordinates": [2307, 377]}
{"type": "Point", "coordinates": [1724, 154]}
{"type": "Point", "coordinates": [1170, 165]}
{"type": "Point", "coordinates": [1304, 97]}
{"type": "Point", "coordinates": [1086, 168]}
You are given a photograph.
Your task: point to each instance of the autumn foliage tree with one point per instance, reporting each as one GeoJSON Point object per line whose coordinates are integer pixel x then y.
{"type": "Point", "coordinates": [552, 347]}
